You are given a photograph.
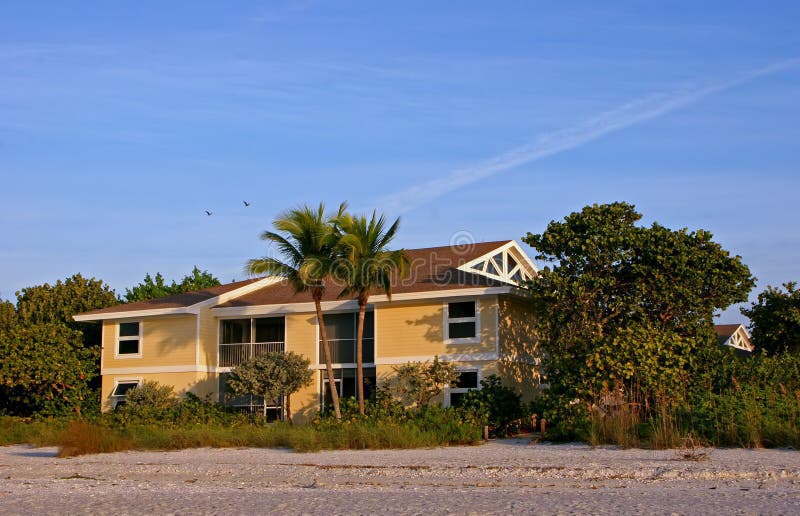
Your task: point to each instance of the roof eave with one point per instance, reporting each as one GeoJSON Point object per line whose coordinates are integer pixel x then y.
{"type": "Point", "coordinates": [192, 309]}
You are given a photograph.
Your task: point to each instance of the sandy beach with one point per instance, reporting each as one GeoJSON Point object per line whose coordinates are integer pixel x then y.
{"type": "Point", "coordinates": [502, 477]}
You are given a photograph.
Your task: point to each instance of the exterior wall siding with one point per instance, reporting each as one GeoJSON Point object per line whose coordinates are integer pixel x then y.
{"type": "Point", "coordinates": [417, 330]}
{"type": "Point", "coordinates": [166, 341]}
{"type": "Point", "coordinates": [518, 347]}
{"type": "Point", "coordinates": [201, 384]}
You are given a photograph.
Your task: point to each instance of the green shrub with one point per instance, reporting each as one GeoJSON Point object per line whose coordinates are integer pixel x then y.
{"type": "Point", "coordinates": [495, 405]}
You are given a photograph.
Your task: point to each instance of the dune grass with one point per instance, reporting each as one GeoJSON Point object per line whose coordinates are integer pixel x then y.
{"type": "Point", "coordinates": [83, 437]}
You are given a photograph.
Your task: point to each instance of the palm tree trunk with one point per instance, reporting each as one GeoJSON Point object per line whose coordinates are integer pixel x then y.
{"type": "Point", "coordinates": [323, 335]}
{"type": "Point", "coordinates": [362, 310]}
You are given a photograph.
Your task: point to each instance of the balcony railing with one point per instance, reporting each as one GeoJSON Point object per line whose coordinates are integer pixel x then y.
{"type": "Point", "coordinates": [231, 355]}
{"type": "Point", "coordinates": [343, 351]}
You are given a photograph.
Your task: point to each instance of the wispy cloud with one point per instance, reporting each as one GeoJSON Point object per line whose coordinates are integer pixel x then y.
{"type": "Point", "coordinates": [624, 116]}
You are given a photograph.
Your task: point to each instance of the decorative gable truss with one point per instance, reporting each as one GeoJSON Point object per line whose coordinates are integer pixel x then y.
{"type": "Point", "coordinates": [740, 340]}
{"type": "Point", "coordinates": [508, 263]}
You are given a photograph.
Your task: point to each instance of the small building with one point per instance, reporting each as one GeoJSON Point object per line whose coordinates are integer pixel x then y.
{"type": "Point", "coordinates": [735, 336]}
{"type": "Point", "coordinates": [460, 303]}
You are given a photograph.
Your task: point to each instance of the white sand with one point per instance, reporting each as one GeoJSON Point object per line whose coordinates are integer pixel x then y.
{"type": "Point", "coordinates": [503, 477]}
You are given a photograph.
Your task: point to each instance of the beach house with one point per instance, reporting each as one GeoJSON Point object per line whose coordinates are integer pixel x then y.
{"type": "Point", "coordinates": [460, 303]}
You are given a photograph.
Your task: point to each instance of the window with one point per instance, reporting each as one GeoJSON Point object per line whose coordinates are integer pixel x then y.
{"type": "Point", "coordinates": [120, 392]}
{"type": "Point", "coordinates": [462, 321]}
{"type": "Point", "coordinates": [468, 380]}
{"type": "Point", "coordinates": [345, 380]}
{"type": "Point", "coordinates": [129, 339]}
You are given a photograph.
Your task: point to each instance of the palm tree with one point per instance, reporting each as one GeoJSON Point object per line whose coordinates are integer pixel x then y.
{"type": "Point", "coordinates": [307, 240]}
{"type": "Point", "coordinates": [363, 243]}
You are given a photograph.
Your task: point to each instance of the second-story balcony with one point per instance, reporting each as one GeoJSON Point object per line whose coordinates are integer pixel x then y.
{"type": "Point", "coordinates": [343, 351]}
{"type": "Point", "coordinates": [232, 355]}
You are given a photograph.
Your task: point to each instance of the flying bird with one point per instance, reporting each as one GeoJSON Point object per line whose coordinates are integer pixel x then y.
{"type": "Point", "coordinates": [209, 213]}
{"type": "Point", "coordinates": [246, 204]}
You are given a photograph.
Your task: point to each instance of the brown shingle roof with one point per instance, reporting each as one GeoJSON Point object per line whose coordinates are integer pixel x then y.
{"type": "Point", "coordinates": [726, 330]}
{"type": "Point", "coordinates": [175, 301]}
{"type": "Point", "coordinates": [432, 268]}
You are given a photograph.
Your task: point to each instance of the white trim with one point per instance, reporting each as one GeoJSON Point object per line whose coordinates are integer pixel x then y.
{"type": "Point", "coordinates": [160, 369]}
{"type": "Point", "coordinates": [116, 398]}
{"type": "Point", "coordinates": [447, 320]}
{"type": "Point", "coordinates": [524, 266]}
{"type": "Point", "coordinates": [118, 339]}
{"type": "Point", "coordinates": [352, 305]}
{"type": "Point", "coordinates": [132, 313]}
{"type": "Point", "coordinates": [486, 356]}
{"type": "Point", "coordinates": [740, 339]}
{"type": "Point", "coordinates": [341, 366]}
{"type": "Point", "coordinates": [182, 310]}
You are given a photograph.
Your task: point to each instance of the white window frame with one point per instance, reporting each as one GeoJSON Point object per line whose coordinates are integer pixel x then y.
{"type": "Point", "coordinates": [447, 320]}
{"type": "Point", "coordinates": [117, 398]}
{"type": "Point", "coordinates": [463, 390]}
{"type": "Point", "coordinates": [118, 339]}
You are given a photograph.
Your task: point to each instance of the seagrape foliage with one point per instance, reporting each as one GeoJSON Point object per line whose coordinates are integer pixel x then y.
{"type": "Point", "coordinates": [621, 304]}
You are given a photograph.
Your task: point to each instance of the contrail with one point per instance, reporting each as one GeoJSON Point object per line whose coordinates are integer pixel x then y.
{"type": "Point", "coordinates": [624, 116]}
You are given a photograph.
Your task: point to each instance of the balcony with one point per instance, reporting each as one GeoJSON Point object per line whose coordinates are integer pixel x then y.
{"type": "Point", "coordinates": [343, 351]}
{"type": "Point", "coordinates": [232, 355]}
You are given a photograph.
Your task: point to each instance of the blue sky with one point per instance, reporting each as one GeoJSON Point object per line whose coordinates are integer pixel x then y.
{"type": "Point", "coordinates": [121, 123]}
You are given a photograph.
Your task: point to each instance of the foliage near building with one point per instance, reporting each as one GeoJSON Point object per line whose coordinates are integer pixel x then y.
{"type": "Point", "coordinates": [626, 305]}
{"type": "Point", "coordinates": [49, 360]}
{"type": "Point", "coordinates": [46, 370]}
{"type": "Point", "coordinates": [271, 376]}
{"type": "Point", "coordinates": [775, 319]}
{"type": "Point", "coordinates": [418, 383]}
{"type": "Point", "coordinates": [153, 288]}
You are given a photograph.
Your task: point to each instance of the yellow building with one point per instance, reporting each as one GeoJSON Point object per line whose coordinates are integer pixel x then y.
{"type": "Point", "coordinates": [459, 303]}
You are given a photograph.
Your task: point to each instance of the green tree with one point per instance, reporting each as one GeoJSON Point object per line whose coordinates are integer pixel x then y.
{"type": "Point", "coordinates": [419, 382]}
{"type": "Point", "coordinates": [44, 304]}
{"type": "Point", "coordinates": [307, 241]}
{"type": "Point", "coordinates": [46, 369]}
{"type": "Point", "coordinates": [154, 288]}
{"type": "Point", "coordinates": [775, 319]}
{"type": "Point", "coordinates": [369, 266]}
{"type": "Point", "coordinates": [621, 302]}
{"type": "Point", "coordinates": [8, 315]}
{"type": "Point", "coordinates": [294, 375]}
{"type": "Point", "coordinates": [270, 376]}
{"type": "Point", "coordinates": [497, 405]}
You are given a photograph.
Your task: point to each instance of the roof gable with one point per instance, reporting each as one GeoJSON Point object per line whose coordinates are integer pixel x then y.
{"type": "Point", "coordinates": [508, 264]}
{"type": "Point", "coordinates": [734, 335]}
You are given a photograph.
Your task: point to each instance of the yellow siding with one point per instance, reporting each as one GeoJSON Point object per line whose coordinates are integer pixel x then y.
{"type": "Point", "coordinates": [416, 330]}
{"type": "Point", "coordinates": [208, 337]}
{"type": "Point", "coordinates": [301, 337]}
{"type": "Point", "coordinates": [301, 334]}
{"type": "Point", "coordinates": [166, 341]}
{"type": "Point", "coordinates": [201, 384]}
{"type": "Point", "coordinates": [305, 403]}
{"type": "Point", "coordinates": [519, 347]}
